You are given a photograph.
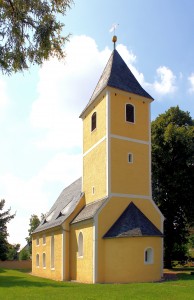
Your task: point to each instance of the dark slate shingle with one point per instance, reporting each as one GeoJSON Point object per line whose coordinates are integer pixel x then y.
{"type": "Point", "coordinates": [117, 75]}
{"type": "Point", "coordinates": [69, 198]}
{"type": "Point", "coordinates": [132, 223]}
{"type": "Point", "coordinates": [88, 211]}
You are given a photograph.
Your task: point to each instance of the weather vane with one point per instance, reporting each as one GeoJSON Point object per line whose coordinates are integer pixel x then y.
{"type": "Point", "coordinates": [114, 38]}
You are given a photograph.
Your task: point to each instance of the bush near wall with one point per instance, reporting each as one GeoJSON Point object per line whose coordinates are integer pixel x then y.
{"type": "Point", "coordinates": [16, 264]}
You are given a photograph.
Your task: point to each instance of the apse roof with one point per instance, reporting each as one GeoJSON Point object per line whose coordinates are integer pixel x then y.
{"type": "Point", "coordinates": [118, 75]}
{"type": "Point", "coordinates": [132, 223]}
{"type": "Point", "coordinates": [63, 206]}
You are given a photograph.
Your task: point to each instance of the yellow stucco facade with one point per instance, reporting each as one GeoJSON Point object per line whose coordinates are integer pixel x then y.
{"type": "Point", "coordinates": [116, 174]}
{"type": "Point", "coordinates": [41, 245]}
{"type": "Point", "coordinates": [81, 266]}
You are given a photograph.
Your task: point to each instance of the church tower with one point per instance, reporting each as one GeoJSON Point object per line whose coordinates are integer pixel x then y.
{"type": "Point", "coordinates": [116, 136]}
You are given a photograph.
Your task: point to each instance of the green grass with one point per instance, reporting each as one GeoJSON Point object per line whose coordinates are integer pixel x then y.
{"type": "Point", "coordinates": [16, 284]}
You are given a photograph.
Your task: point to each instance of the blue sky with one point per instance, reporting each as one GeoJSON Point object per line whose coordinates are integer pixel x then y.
{"type": "Point", "coordinates": [41, 133]}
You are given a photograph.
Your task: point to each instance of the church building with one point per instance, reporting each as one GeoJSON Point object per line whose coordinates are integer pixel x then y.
{"type": "Point", "coordinates": [105, 227]}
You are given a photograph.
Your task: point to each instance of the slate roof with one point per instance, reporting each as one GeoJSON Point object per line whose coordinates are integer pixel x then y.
{"type": "Point", "coordinates": [132, 223]}
{"type": "Point", "coordinates": [63, 207]}
{"type": "Point", "coordinates": [89, 211]}
{"type": "Point", "coordinates": [117, 75]}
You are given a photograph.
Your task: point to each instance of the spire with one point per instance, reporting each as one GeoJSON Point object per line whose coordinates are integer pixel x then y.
{"type": "Point", "coordinates": [117, 75]}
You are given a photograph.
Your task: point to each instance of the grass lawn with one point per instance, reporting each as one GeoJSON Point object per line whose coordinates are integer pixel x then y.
{"type": "Point", "coordinates": [16, 284]}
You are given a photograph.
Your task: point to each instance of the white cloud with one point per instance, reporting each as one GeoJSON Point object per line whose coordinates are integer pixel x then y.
{"type": "Point", "coordinates": [191, 81]}
{"type": "Point", "coordinates": [63, 91]}
{"type": "Point", "coordinates": [37, 194]}
{"type": "Point", "coordinates": [166, 82]}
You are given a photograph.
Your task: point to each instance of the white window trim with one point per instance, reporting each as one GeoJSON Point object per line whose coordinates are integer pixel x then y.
{"type": "Point", "coordinates": [128, 122]}
{"type": "Point", "coordinates": [131, 154]}
{"type": "Point", "coordinates": [151, 260]}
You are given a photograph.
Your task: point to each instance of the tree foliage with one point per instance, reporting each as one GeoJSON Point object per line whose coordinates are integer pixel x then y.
{"type": "Point", "coordinates": [30, 32]}
{"type": "Point", "coordinates": [5, 217]}
{"type": "Point", "coordinates": [24, 254]}
{"type": "Point", "coordinates": [13, 252]}
{"type": "Point", "coordinates": [173, 177]}
{"type": "Point", "coordinates": [34, 222]}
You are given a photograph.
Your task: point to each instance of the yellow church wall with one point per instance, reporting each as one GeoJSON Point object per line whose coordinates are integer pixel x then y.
{"type": "Point", "coordinates": [94, 173]}
{"type": "Point", "coordinates": [108, 216]}
{"type": "Point", "coordinates": [124, 259]}
{"type": "Point", "coordinates": [140, 128]}
{"type": "Point", "coordinates": [47, 271]}
{"type": "Point", "coordinates": [81, 268]}
{"type": "Point", "coordinates": [129, 178]}
{"type": "Point", "coordinates": [90, 138]}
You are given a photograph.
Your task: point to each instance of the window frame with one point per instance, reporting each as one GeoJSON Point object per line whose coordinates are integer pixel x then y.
{"type": "Point", "coordinates": [37, 260]}
{"type": "Point", "coordinates": [80, 245]}
{"type": "Point", "coordinates": [93, 190]}
{"type": "Point", "coordinates": [52, 252]}
{"type": "Point", "coordinates": [44, 260]}
{"type": "Point", "coordinates": [94, 115]}
{"type": "Point", "coordinates": [149, 256]}
{"type": "Point", "coordinates": [131, 105]}
{"type": "Point", "coordinates": [131, 155]}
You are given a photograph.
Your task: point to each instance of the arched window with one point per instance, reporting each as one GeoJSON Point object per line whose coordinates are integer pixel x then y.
{"type": "Point", "coordinates": [52, 252]}
{"type": "Point", "coordinates": [37, 260]}
{"type": "Point", "coordinates": [148, 256]}
{"type": "Point", "coordinates": [129, 111]}
{"type": "Point", "coordinates": [44, 260]}
{"type": "Point", "coordinates": [93, 121]}
{"type": "Point", "coordinates": [80, 244]}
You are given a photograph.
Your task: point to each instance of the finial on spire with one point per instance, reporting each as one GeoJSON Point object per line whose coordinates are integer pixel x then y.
{"type": "Point", "coordinates": [114, 38]}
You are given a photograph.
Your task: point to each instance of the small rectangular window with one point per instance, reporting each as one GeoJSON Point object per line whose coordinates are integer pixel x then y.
{"type": "Point", "coordinates": [93, 121]}
{"type": "Point", "coordinates": [93, 190]}
{"type": "Point", "coordinates": [130, 158]}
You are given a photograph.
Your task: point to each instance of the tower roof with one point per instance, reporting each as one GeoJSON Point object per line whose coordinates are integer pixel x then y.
{"type": "Point", "coordinates": [131, 223]}
{"type": "Point", "coordinates": [118, 75]}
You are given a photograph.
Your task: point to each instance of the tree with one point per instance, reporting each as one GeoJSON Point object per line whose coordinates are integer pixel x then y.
{"type": "Point", "coordinates": [24, 254]}
{"type": "Point", "coordinates": [34, 222]}
{"type": "Point", "coordinates": [173, 177]}
{"type": "Point", "coordinates": [30, 32]}
{"type": "Point", "coordinates": [12, 253]}
{"type": "Point", "coordinates": [5, 217]}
